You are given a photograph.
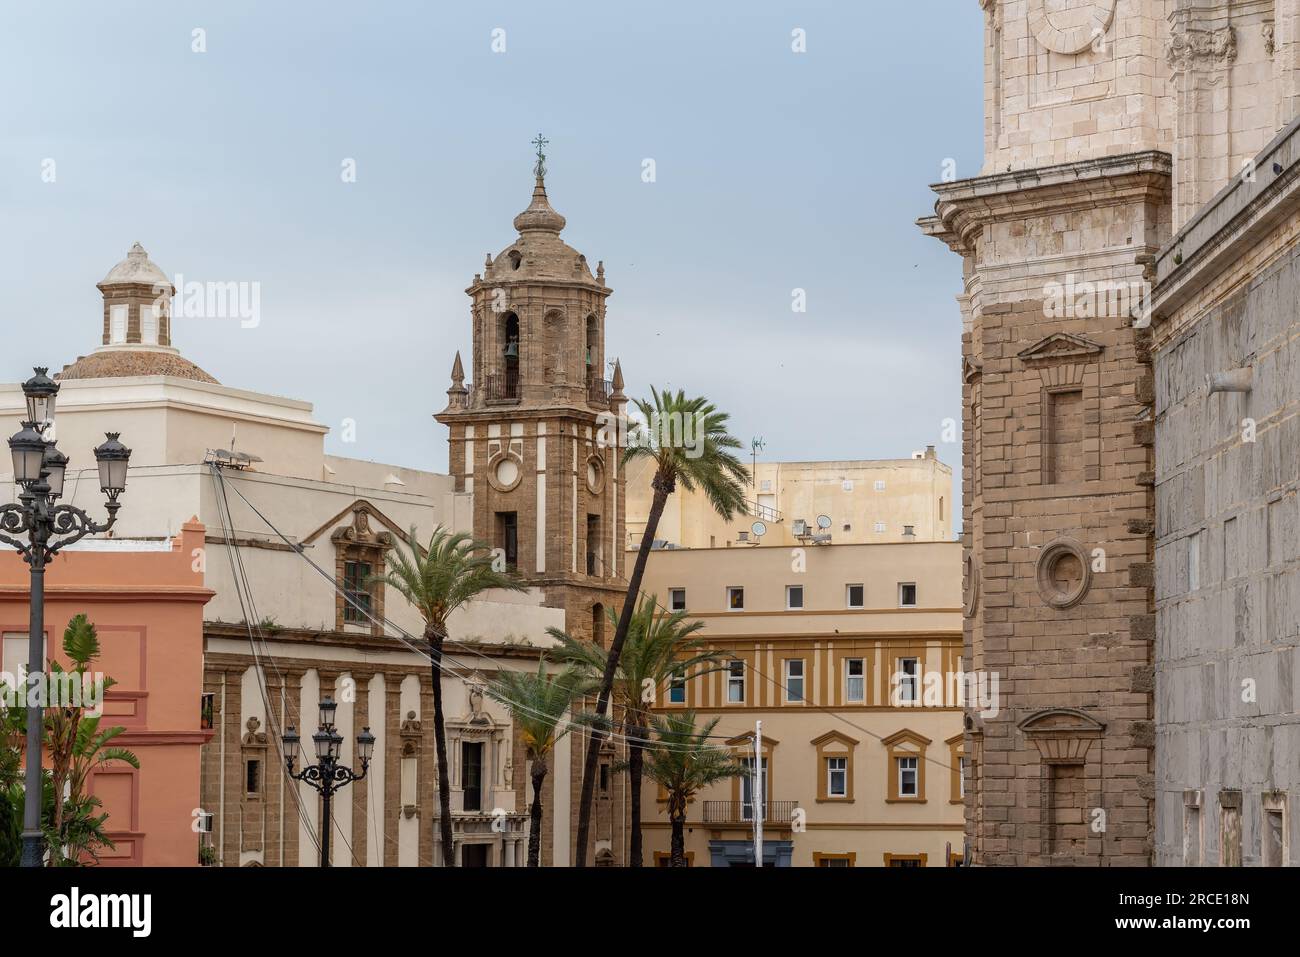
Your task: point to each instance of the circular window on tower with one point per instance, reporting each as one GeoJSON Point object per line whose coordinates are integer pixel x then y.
{"type": "Point", "coordinates": [595, 475]}
{"type": "Point", "coordinates": [504, 472]}
{"type": "Point", "coordinates": [1063, 573]}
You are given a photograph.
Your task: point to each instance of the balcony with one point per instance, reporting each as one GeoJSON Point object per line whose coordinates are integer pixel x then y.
{"type": "Point", "coordinates": [502, 387]}
{"type": "Point", "coordinates": [599, 391]}
{"type": "Point", "coordinates": [740, 812]}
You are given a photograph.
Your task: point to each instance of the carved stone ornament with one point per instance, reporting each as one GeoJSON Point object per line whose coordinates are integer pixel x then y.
{"type": "Point", "coordinates": [1070, 26]}
{"type": "Point", "coordinates": [1201, 48]}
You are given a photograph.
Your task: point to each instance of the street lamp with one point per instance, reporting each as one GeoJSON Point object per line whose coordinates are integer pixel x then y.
{"type": "Point", "coordinates": [327, 775]}
{"type": "Point", "coordinates": [39, 471]}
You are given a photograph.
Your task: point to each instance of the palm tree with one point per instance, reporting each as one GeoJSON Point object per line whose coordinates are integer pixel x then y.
{"type": "Point", "coordinates": [660, 647]}
{"type": "Point", "coordinates": [538, 703]}
{"type": "Point", "coordinates": [453, 569]}
{"type": "Point", "coordinates": [687, 442]}
{"type": "Point", "coordinates": [683, 763]}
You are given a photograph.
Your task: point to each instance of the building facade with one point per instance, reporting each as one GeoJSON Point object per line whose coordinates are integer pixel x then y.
{"type": "Point", "coordinates": [863, 501]}
{"type": "Point", "coordinates": [1107, 125]}
{"type": "Point", "coordinates": [291, 531]}
{"type": "Point", "coordinates": [849, 655]}
{"type": "Point", "coordinates": [146, 600]}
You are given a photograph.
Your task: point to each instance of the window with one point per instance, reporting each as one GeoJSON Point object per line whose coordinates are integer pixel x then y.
{"type": "Point", "coordinates": [957, 765]}
{"type": "Point", "coordinates": [735, 598]}
{"type": "Point", "coordinates": [15, 655]}
{"type": "Point", "coordinates": [677, 599]}
{"type": "Point", "coordinates": [906, 680]}
{"type": "Point", "coordinates": [357, 604]}
{"type": "Point", "coordinates": [604, 779]}
{"type": "Point", "coordinates": [593, 545]}
{"type": "Point", "coordinates": [149, 324]}
{"type": "Point", "coordinates": [677, 688]}
{"type": "Point", "coordinates": [907, 594]}
{"type": "Point", "coordinates": [854, 595]}
{"type": "Point", "coordinates": [941, 508]}
{"type": "Point", "coordinates": [907, 779]}
{"type": "Point", "coordinates": [508, 537]}
{"type": "Point", "coordinates": [905, 860]}
{"type": "Point", "coordinates": [880, 528]}
{"type": "Point", "coordinates": [793, 597]}
{"type": "Point", "coordinates": [880, 485]}
{"type": "Point", "coordinates": [820, 859]}
{"type": "Point", "coordinates": [961, 776]}
{"type": "Point", "coordinates": [117, 324]}
{"type": "Point", "coordinates": [252, 776]}
{"type": "Point", "coordinates": [207, 710]}
{"type": "Point", "coordinates": [471, 775]}
{"type": "Point", "coordinates": [909, 531]}
{"type": "Point", "coordinates": [747, 790]}
{"type": "Point", "coordinates": [837, 774]}
{"type": "Point", "coordinates": [834, 766]}
{"type": "Point", "coordinates": [854, 680]}
{"type": "Point", "coordinates": [794, 680]}
{"type": "Point", "coordinates": [736, 682]}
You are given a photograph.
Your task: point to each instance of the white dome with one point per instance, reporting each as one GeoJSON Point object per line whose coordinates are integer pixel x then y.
{"type": "Point", "coordinates": [137, 268]}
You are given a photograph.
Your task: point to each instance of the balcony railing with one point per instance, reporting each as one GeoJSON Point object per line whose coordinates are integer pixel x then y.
{"type": "Point", "coordinates": [766, 512]}
{"type": "Point", "coordinates": [599, 391]}
{"type": "Point", "coordinates": [502, 387]}
{"type": "Point", "coordinates": [740, 812]}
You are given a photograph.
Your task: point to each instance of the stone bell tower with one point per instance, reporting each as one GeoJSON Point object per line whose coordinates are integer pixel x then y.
{"type": "Point", "coordinates": [526, 437]}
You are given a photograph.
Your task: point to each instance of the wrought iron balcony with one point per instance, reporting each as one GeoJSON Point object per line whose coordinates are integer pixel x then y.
{"type": "Point", "coordinates": [502, 387]}
{"type": "Point", "coordinates": [599, 391]}
{"type": "Point", "coordinates": [740, 812]}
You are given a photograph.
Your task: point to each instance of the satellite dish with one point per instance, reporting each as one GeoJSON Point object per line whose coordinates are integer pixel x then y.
{"type": "Point", "coordinates": [759, 529]}
{"type": "Point", "coordinates": [823, 521]}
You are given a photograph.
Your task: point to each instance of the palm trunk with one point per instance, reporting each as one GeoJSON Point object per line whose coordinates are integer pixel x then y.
{"type": "Point", "coordinates": [435, 640]}
{"type": "Point", "coordinates": [677, 858]}
{"type": "Point", "coordinates": [535, 815]}
{"type": "Point", "coordinates": [663, 487]}
{"type": "Point", "coordinates": [635, 761]}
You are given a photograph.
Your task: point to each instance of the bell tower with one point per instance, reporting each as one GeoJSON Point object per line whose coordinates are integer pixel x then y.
{"type": "Point", "coordinates": [529, 436]}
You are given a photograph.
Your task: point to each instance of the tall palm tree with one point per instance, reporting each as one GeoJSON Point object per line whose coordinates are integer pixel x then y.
{"type": "Point", "coordinates": [683, 763]}
{"type": "Point", "coordinates": [688, 443]}
{"type": "Point", "coordinates": [660, 647]}
{"type": "Point", "coordinates": [538, 703]}
{"type": "Point", "coordinates": [453, 569]}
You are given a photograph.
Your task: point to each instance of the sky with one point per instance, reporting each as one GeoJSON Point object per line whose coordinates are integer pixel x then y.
{"type": "Point", "coordinates": [774, 171]}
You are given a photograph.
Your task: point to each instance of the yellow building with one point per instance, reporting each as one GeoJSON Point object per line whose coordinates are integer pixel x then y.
{"type": "Point", "coordinates": [886, 500]}
{"type": "Point", "coordinates": [849, 655]}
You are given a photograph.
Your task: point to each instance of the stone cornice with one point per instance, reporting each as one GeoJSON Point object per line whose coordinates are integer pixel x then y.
{"type": "Point", "coordinates": [967, 206]}
{"type": "Point", "coordinates": [1230, 223]}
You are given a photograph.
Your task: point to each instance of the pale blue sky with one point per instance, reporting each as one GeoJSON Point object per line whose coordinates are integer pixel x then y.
{"type": "Point", "coordinates": [775, 170]}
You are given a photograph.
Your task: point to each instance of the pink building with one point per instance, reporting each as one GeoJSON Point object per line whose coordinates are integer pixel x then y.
{"type": "Point", "coordinates": [146, 600]}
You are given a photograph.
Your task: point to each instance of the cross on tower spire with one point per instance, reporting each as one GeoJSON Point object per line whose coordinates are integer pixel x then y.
{"type": "Point", "coordinates": [540, 168]}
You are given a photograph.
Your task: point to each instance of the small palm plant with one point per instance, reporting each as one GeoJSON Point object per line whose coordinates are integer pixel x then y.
{"type": "Point", "coordinates": [538, 703]}
{"type": "Point", "coordinates": [688, 443]}
{"type": "Point", "coordinates": [78, 747]}
{"type": "Point", "coordinates": [661, 647]}
{"type": "Point", "coordinates": [452, 570]}
{"type": "Point", "coordinates": [683, 763]}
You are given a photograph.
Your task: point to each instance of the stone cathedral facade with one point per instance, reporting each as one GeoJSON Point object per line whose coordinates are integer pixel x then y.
{"type": "Point", "coordinates": [1112, 129]}
{"type": "Point", "coordinates": [532, 442]}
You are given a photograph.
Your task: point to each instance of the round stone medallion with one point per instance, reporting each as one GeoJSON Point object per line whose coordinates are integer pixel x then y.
{"type": "Point", "coordinates": [1063, 573]}
{"type": "Point", "coordinates": [1070, 26]}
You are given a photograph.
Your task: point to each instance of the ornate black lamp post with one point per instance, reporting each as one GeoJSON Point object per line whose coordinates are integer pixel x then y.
{"type": "Point", "coordinates": [327, 775]}
{"type": "Point", "coordinates": [39, 470]}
